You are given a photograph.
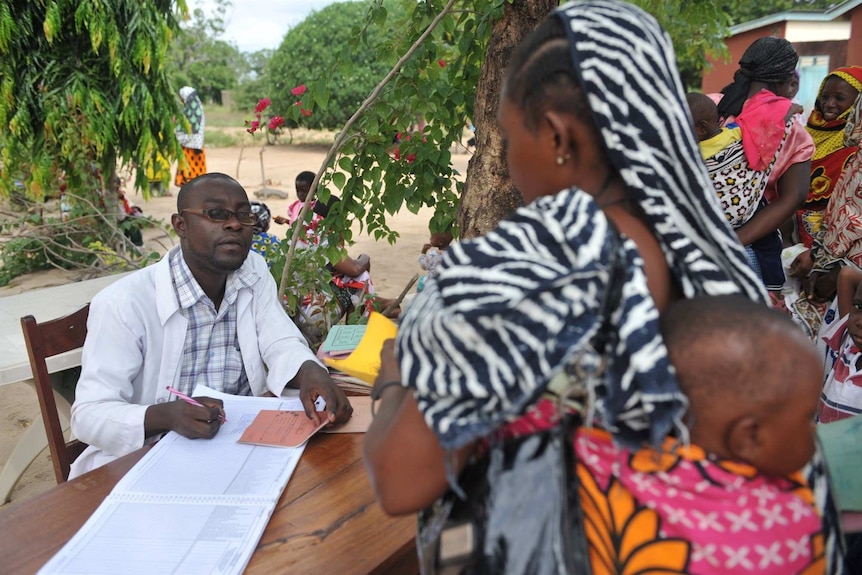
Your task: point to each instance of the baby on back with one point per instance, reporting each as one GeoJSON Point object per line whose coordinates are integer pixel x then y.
{"type": "Point", "coordinates": [732, 500]}
{"type": "Point", "coordinates": [752, 377]}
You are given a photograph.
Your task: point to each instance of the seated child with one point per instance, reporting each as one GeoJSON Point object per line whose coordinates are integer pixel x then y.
{"type": "Point", "coordinates": [842, 388]}
{"type": "Point", "coordinates": [126, 213]}
{"type": "Point", "coordinates": [351, 285]}
{"type": "Point", "coordinates": [303, 186]}
{"type": "Point", "coordinates": [432, 253]}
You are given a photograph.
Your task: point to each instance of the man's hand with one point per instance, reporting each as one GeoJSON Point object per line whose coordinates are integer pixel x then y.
{"type": "Point", "coordinates": [313, 381]}
{"type": "Point", "coordinates": [186, 419]}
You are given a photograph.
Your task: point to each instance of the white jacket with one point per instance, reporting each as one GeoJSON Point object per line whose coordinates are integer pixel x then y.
{"type": "Point", "coordinates": [134, 349]}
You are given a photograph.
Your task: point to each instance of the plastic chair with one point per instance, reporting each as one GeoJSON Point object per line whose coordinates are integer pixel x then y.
{"type": "Point", "coordinates": [45, 340]}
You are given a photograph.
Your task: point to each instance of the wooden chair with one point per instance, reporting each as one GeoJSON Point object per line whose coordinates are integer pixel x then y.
{"type": "Point", "coordinates": [45, 340]}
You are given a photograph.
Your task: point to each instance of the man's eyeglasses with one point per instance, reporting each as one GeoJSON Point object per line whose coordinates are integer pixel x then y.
{"type": "Point", "coordinates": [223, 215]}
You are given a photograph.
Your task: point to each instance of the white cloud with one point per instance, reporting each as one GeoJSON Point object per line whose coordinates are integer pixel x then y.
{"type": "Point", "coordinates": [258, 24]}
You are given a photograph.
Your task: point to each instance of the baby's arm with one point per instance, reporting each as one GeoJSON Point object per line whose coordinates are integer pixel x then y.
{"type": "Point", "coordinates": [794, 109]}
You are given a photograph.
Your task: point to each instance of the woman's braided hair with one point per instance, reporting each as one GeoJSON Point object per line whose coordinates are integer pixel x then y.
{"type": "Point", "coordinates": [541, 75]}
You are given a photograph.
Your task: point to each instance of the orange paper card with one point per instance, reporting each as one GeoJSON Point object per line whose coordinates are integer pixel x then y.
{"type": "Point", "coordinates": [359, 421]}
{"type": "Point", "coordinates": [281, 428]}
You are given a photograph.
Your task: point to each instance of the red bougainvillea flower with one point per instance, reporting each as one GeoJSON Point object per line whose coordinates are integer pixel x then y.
{"type": "Point", "coordinates": [262, 105]}
{"type": "Point", "coordinates": [305, 112]}
{"type": "Point", "coordinates": [442, 62]}
{"type": "Point", "coordinates": [411, 158]}
{"type": "Point", "coordinates": [253, 126]}
{"type": "Point", "coordinates": [397, 154]}
{"type": "Point", "coordinates": [276, 122]}
{"type": "Point", "coordinates": [299, 90]}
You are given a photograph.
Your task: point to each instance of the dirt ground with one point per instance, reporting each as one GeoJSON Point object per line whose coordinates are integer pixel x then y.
{"type": "Point", "coordinates": [392, 268]}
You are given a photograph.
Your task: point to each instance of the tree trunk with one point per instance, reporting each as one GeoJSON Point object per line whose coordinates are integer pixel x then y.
{"type": "Point", "coordinates": [489, 194]}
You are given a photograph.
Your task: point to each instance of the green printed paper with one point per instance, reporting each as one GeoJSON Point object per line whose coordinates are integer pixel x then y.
{"type": "Point", "coordinates": [343, 338]}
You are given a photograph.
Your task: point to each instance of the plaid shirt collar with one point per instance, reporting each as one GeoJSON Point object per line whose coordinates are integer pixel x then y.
{"type": "Point", "coordinates": [189, 291]}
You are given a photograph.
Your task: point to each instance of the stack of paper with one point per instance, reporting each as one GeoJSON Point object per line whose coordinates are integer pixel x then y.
{"type": "Point", "coordinates": [340, 343]}
{"type": "Point", "coordinates": [188, 506]}
{"type": "Point", "coordinates": [358, 370]}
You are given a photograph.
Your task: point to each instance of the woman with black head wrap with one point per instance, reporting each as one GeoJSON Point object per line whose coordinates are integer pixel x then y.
{"type": "Point", "coordinates": [769, 64]}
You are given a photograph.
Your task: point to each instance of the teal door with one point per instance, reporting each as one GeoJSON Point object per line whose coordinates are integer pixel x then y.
{"type": "Point", "coordinates": [812, 70]}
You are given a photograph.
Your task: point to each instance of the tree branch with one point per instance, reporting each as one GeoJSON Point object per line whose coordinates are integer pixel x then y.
{"type": "Point", "coordinates": [342, 136]}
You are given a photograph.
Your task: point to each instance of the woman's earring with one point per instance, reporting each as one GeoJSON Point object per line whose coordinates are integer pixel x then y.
{"type": "Point", "coordinates": [562, 159]}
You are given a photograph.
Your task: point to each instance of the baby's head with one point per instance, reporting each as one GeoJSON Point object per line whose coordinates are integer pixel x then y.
{"type": "Point", "coordinates": [752, 378]}
{"type": "Point", "coordinates": [704, 115]}
{"type": "Point", "coordinates": [303, 184]}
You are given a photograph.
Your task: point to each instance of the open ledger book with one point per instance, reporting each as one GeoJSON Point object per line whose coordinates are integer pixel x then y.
{"type": "Point", "coordinates": [188, 506]}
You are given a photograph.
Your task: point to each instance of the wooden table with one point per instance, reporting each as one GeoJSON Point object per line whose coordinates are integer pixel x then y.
{"type": "Point", "coordinates": [327, 520]}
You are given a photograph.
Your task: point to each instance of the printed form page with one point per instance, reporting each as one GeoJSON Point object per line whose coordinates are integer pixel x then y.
{"type": "Point", "coordinates": [188, 506]}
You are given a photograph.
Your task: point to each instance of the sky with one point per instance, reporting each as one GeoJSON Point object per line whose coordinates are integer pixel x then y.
{"type": "Point", "coordinates": [258, 24]}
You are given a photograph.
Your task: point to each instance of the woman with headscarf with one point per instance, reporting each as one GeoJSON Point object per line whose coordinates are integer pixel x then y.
{"type": "Point", "coordinates": [828, 224]}
{"type": "Point", "coordinates": [598, 138]}
{"type": "Point", "coordinates": [826, 124]}
{"type": "Point", "coordinates": [195, 163]}
{"type": "Point", "coordinates": [842, 219]}
{"type": "Point", "coordinates": [769, 64]}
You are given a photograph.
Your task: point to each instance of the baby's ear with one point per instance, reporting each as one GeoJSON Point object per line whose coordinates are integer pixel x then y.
{"type": "Point", "coordinates": [744, 439]}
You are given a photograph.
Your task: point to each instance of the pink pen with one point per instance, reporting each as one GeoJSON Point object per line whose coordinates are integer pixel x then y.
{"type": "Point", "coordinates": [191, 401]}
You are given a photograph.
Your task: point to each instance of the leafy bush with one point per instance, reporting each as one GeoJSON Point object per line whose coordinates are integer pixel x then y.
{"type": "Point", "coordinates": [316, 51]}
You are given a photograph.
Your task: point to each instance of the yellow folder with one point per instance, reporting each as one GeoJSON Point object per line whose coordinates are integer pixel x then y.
{"type": "Point", "coordinates": [364, 361]}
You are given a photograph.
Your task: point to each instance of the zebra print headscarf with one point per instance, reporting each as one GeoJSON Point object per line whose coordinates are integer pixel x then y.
{"type": "Point", "coordinates": [514, 308]}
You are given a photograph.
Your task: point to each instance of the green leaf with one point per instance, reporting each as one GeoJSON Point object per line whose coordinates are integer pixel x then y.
{"type": "Point", "coordinates": [339, 179]}
{"type": "Point", "coordinates": [345, 164]}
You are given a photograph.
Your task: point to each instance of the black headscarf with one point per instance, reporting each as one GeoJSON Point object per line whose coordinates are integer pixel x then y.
{"type": "Point", "coordinates": [770, 60]}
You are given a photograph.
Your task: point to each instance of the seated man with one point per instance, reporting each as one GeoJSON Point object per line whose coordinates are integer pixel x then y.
{"type": "Point", "coordinates": [207, 313]}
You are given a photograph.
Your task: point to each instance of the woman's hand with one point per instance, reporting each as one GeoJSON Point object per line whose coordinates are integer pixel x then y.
{"type": "Point", "coordinates": [389, 368]}
{"type": "Point", "coordinates": [406, 465]}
